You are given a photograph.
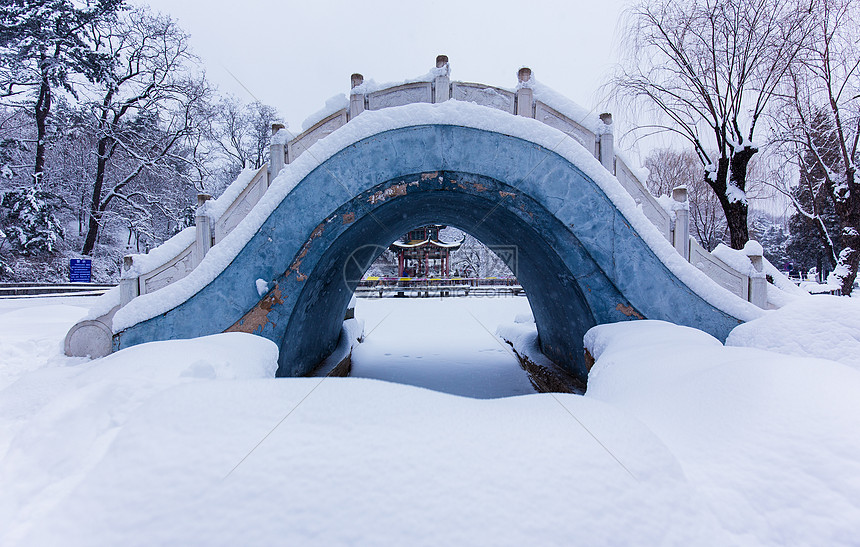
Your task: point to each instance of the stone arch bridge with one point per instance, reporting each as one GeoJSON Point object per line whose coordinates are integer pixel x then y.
{"type": "Point", "coordinates": [524, 168]}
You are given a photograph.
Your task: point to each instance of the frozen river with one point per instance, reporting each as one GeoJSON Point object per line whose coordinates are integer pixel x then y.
{"type": "Point", "coordinates": [443, 344]}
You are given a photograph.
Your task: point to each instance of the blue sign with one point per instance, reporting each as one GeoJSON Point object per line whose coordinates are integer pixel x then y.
{"type": "Point", "coordinates": [80, 270]}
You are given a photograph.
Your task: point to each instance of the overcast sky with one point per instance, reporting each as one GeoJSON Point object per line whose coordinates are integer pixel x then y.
{"type": "Point", "coordinates": [295, 55]}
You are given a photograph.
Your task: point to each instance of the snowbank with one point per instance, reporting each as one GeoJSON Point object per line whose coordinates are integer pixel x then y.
{"type": "Point", "coordinates": [769, 440]}
{"type": "Point", "coordinates": [679, 441]}
{"type": "Point", "coordinates": [822, 326]}
{"type": "Point", "coordinates": [452, 113]}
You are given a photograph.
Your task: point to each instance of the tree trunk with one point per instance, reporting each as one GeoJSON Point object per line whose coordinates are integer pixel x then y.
{"type": "Point", "coordinates": [43, 108]}
{"type": "Point", "coordinates": [95, 204]}
{"type": "Point", "coordinates": [737, 212]}
{"type": "Point", "coordinates": [848, 209]}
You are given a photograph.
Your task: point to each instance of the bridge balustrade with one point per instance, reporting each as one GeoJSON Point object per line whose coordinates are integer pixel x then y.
{"type": "Point", "coordinates": [217, 219]}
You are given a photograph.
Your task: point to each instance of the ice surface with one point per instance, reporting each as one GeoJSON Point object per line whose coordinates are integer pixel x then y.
{"type": "Point", "coordinates": [448, 350]}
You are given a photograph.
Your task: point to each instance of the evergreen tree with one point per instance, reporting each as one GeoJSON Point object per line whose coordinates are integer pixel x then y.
{"type": "Point", "coordinates": [29, 225]}
{"type": "Point", "coordinates": [42, 43]}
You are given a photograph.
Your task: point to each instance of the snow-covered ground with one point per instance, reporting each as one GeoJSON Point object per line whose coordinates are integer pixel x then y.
{"type": "Point", "coordinates": [679, 440]}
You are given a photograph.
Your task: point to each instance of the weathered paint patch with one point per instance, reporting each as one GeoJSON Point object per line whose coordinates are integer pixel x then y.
{"type": "Point", "coordinates": [629, 311]}
{"type": "Point", "coordinates": [256, 320]}
{"type": "Point", "coordinates": [466, 185]}
{"type": "Point", "coordinates": [348, 218]}
{"type": "Point", "coordinates": [390, 192]}
{"type": "Point", "coordinates": [428, 176]}
{"type": "Point", "coordinates": [318, 232]}
{"type": "Point", "coordinates": [503, 194]}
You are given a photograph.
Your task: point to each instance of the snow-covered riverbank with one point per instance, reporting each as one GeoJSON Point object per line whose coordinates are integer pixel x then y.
{"type": "Point", "coordinates": [679, 441]}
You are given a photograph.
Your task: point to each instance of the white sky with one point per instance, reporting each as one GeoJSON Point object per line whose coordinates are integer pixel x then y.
{"type": "Point", "coordinates": [294, 55]}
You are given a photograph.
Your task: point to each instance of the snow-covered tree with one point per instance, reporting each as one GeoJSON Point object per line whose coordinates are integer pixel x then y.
{"type": "Point", "coordinates": [707, 69]}
{"type": "Point", "coordinates": [43, 43]}
{"type": "Point", "coordinates": [819, 123]}
{"type": "Point", "coordinates": [27, 221]}
{"type": "Point", "coordinates": [144, 114]}
{"type": "Point", "coordinates": [239, 134]}
{"type": "Point", "coordinates": [773, 238]}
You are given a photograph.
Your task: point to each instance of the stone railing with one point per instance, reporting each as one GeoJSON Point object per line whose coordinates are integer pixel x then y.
{"type": "Point", "coordinates": [143, 274]}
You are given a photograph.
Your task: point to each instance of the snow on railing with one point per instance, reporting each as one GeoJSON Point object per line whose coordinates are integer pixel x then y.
{"type": "Point", "coordinates": [178, 256]}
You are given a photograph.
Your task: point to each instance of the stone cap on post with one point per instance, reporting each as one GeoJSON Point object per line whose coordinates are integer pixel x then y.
{"type": "Point", "coordinates": [441, 82]}
{"type": "Point", "coordinates": [356, 100]}
{"type": "Point", "coordinates": [679, 193]}
{"type": "Point", "coordinates": [525, 95]}
{"type": "Point", "coordinates": [524, 75]}
{"type": "Point", "coordinates": [276, 152]}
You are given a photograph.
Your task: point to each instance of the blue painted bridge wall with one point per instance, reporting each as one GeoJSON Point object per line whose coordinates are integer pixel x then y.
{"type": "Point", "coordinates": [579, 261]}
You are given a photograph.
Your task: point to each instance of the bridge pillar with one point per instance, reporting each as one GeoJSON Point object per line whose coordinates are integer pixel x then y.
{"type": "Point", "coordinates": [129, 287]}
{"type": "Point", "coordinates": [356, 100]}
{"type": "Point", "coordinates": [276, 153]}
{"type": "Point", "coordinates": [758, 282]}
{"type": "Point", "coordinates": [682, 222]}
{"type": "Point", "coordinates": [607, 144]}
{"type": "Point", "coordinates": [525, 95]}
{"type": "Point", "coordinates": [203, 225]}
{"type": "Point", "coordinates": [442, 83]}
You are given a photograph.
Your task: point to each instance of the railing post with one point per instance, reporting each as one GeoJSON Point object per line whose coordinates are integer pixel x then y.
{"type": "Point", "coordinates": [356, 100]}
{"type": "Point", "coordinates": [442, 83]}
{"type": "Point", "coordinates": [276, 152]}
{"type": "Point", "coordinates": [607, 144]}
{"type": "Point", "coordinates": [682, 221]}
{"type": "Point", "coordinates": [758, 282]}
{"type": "Point", "coordinates": [525, 95]}
{"type": "Point", "coordinates": [203, 226]}
{"type": "Point", "coordinates": [129, 287]}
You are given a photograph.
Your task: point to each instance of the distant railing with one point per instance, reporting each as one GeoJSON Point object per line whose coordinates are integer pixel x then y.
{"type": "Point", "coordinates": [25, 290]}
{"type": "Point", "coordinates": [438, 286]}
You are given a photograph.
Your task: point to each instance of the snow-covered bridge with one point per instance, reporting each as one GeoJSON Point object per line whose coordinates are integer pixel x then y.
{"type": "Point", "coordinates": [523, 168]}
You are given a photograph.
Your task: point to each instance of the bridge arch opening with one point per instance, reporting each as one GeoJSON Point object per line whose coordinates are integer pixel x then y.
{"type": "Point", "coordinates": [490, 211]}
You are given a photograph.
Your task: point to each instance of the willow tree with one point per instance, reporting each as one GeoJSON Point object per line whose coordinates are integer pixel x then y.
{"type": "Point", "coordinates": [819, 126]}
{"type": "Point", "coordinates": [707, 70]}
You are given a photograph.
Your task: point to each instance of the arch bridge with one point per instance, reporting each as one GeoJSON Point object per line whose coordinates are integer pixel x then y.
{"type": "Point", "coordinates": [522, 168]}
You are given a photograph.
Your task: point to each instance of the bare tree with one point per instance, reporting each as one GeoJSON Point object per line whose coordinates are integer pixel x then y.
{"type": "Point", "coordinates": [708, 69]}
{"type": "Point", "coordinates": [240, 133]}
{"type": "Point", "coordinates": [819, 128]}
{"type": "Point", "coordinates": [670, 168]}
{"type": "Point", "coordinates": [144, 115]}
